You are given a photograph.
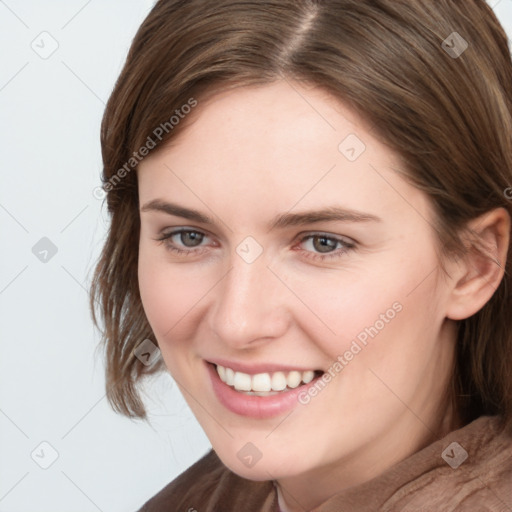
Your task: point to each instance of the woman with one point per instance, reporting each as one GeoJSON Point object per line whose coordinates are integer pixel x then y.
{"type": "Point", "coordinates": [311, 218]}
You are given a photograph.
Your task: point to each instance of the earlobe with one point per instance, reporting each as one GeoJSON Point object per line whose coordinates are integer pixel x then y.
{"type": "Point", "coordinates": [482, 268]}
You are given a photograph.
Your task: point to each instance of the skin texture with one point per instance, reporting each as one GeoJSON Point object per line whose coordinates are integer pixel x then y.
{"type": "Point", "coordinates": [251, 154]}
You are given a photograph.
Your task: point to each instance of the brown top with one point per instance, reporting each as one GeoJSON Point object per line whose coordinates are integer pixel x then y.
{"type": "Point", "coordinates": [438, 478]}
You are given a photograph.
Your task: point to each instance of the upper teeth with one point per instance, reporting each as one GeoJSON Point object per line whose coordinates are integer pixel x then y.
{"type": "Point", "coordinates": [262, 382]}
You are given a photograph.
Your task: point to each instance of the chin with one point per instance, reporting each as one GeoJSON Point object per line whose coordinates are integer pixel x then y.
{"type": "Point", "coordinates": [263, 469]}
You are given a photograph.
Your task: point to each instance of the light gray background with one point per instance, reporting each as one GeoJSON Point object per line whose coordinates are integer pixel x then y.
{"type": "Point", "coordinates": [52, 383]}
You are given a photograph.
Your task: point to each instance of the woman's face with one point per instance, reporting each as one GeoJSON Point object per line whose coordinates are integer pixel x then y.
{"type": "Point", "coordinates": [293, 248]}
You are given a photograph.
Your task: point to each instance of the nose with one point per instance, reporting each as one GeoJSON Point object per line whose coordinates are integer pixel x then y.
{"type": "Point", "coordinates": [250, 306]}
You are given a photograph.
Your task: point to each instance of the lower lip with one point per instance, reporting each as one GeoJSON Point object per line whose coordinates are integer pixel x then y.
{"type": "Point", "coordinates": [254, 406]}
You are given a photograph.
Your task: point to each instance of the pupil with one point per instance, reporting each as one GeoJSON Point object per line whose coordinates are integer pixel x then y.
{"type": "Point", "coordinates": [324, 245]}
{"type": "Point", "coordinates": [189, 238]}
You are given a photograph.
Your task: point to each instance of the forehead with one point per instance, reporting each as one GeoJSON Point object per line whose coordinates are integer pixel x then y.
{"type": "Point", "coordinates": [281, 146]}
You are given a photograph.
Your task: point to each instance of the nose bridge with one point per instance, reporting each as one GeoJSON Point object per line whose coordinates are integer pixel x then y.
{"type": "Point", "coordinates": [249, 303]}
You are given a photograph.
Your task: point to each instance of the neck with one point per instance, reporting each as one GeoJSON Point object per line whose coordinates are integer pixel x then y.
{"type": "Point", "coordinates": [401, 439]}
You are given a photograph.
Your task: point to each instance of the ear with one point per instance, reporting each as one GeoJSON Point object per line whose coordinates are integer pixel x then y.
{"type": "Point", "coordinates": [480, 272]}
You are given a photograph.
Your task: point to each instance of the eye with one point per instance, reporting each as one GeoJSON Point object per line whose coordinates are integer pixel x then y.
{"type": "Point", "coordinates": [322, 246]}
{"type": "Point", "coordinates": [318, 246]}
{"type": "Point", "coordinates": [182, 241]}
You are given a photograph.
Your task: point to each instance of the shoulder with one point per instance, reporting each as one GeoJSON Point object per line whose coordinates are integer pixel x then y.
{"type": "Point", "coordinates": [200, 479]}
{"type": "Point", "coordinates": [489, 473]}
{"type": "Point", "coordinates": [469, 469]}
{"type": "Point", "coordinates": [209, 485]}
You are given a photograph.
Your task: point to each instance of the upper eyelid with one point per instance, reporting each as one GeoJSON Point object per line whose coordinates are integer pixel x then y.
{"type": "Point", "coordinates": [326, 235]}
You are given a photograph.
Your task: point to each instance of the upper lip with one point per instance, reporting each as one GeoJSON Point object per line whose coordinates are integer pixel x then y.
{"type": "Point", "coordinates": [255, 368]}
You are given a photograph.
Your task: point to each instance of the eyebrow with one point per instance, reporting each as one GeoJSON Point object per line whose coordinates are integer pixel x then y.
{"type": "Point", "coordinates": [329, 214]}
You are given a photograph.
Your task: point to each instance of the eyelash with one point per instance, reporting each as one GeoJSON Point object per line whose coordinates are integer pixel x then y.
{"type": "Point", "coordinates": [348, 246]}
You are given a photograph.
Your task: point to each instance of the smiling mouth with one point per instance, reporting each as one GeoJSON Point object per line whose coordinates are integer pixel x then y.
{"type": "Point", "coordinates": [265, 384]}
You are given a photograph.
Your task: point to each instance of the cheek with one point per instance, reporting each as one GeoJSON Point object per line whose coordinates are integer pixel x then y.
{"type": "Point", "coordinates": [170, 294]}
{"type": "Point", "coordinates": [386, 298]}
{"type": "Point", "coordinates": [393, 306]}
{"type": "Point", "coordinates": [161, 295]}
{"type": "Point", "coordinates": [164, 303]}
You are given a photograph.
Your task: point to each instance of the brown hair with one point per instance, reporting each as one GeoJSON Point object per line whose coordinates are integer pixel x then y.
{"type": "Point", "coordinates": [448, 116]}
